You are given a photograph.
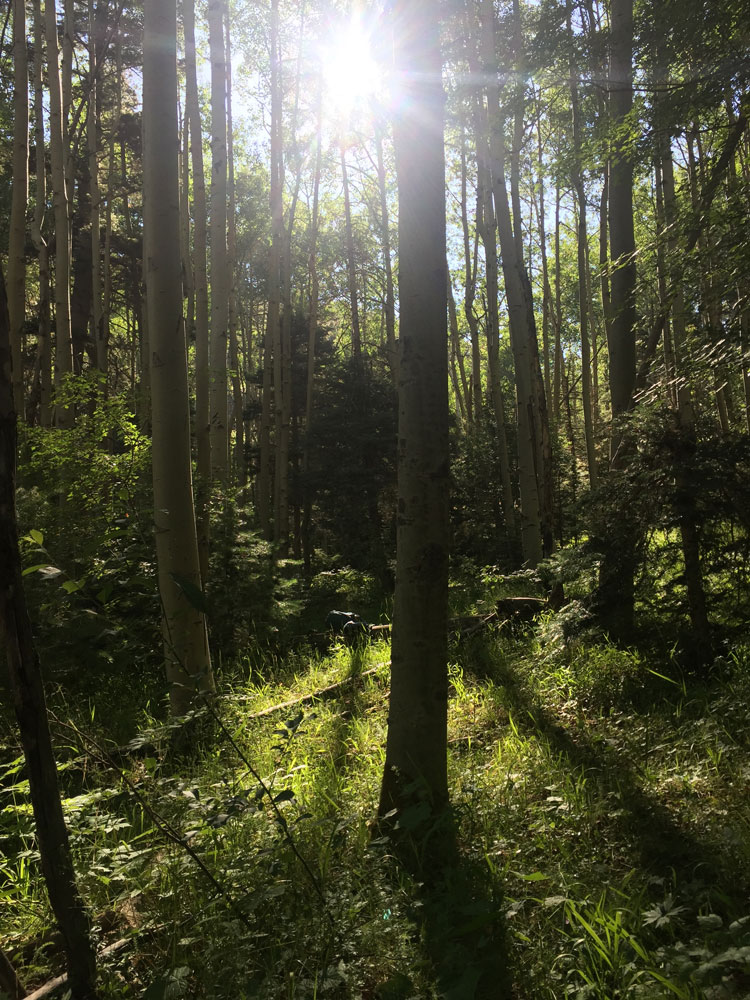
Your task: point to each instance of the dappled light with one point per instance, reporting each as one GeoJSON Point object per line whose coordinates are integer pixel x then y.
{"type": "Point", "coordinates": [374, 500]}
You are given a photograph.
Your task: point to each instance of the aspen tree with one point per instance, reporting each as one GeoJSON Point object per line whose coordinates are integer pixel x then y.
{"type": "Point", "coordinates": [42, 388]}
{"type": "Point", "coordinates": [470, 284]}
{"type": "Point", "coordinates": [390, 308]}
{"type": "Point", "coordinates": [63, 334]}
{"type": "Point", "coordinates": [272, 358]}
{"type": "Point", "coordinates": [351, 268]}
{"type": "Point", "coordinates": [312, 329]}
{"type": "Point", "coordinates": [92, 129]}
{"type": "Point", "coordinates": [581, 245]}
{"type": "Point", "coordinates": [218, 240]}
{"type": "Point", "coordinates": [27, 691]}
{"type": "Point", "coordinates": [234, 358]}
{"type": "Point", "coordinates": [19, 200]}
{"type": "Point", "coordinates": [417, 739]}
{"type": "Point", "coordinates": [520, 317]}
{"type": "Point", "coordinates": [616, 595]}
{"type": "Point", "coordinates": [200, 279]}
{"type": "Point", "coordinates": [187, 659]}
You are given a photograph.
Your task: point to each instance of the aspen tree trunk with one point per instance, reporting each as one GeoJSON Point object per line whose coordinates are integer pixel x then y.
{"type": "Point", "coordinates": [519, 314]}
{"type": "Point", "coordinates": [390, 306]}
{"type": "Point", "coordinates": [470, 280]}
{"type": "Point", "coordinates": [461, 384]}
{"type": "Point", "coordinates": [351, 267]}
{"type": "Point", "coordinates": [28, 701]}
{"type": "Point", "coordinates": [516, 44]}
{"type": "Point", "coordinates": [283, 398]}
{"type": "Point", "coordinates": [200, 271]}
{"type": "Point", "coordinates": [582, 241]}
{"type": "Point", "coordinates": [19, 201]}
{"type": "Point", "coordinates": [546, 291]}
{"type": "Point", "coordinates": [63, 335]}
{"type": "Point", "coordinates": [43, 364]}
{"type": "Point", "coordinates": [616, 595]}
{"type": "Point", "coordinates": [234, 351]}
{"type": "Point", "coordinates": [92, 128]}
{"type": "Point", "coordinates": [710, 296]}
{"type": "Point", "coordinates": [595, 345]}
{"type": "Point", "coordinates": [415, 763]}
{"type": "Point", "coordinates": [487, 231]}
{"type": "Point", "coordinates": [188, 282]}
{"type": "Point", "coordinates": [107, 269]}
{"type": "Point", "coordinates": [66, 83]}
{"type": "Point", "coordinates": [311, 336]}
{"type": "Point", "coordinates": [187, 659]}
{"type": "Point", "coordinates": [559, 363]}
{"type": "Point", "coordinates": [272, 374]}
{"type": "Point", "coordinates": [622, 238]}
{"type": "Point", "coordinates": [688, 516]}
{"type": "Point", "coordinates": [219, 268]}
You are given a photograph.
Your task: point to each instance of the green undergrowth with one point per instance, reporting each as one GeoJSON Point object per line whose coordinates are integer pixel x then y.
{"type": "Point", "coordinates": [600, 809]}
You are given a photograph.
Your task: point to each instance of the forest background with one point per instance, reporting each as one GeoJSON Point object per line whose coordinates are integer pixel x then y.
{"type": "Point", "coordinates": [209, 306]}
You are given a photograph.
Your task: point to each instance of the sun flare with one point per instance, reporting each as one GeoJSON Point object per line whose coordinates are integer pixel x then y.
{"type": "Point", "coordinates": [351, 74]}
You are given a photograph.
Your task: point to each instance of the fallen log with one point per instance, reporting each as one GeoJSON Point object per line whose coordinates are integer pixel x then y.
{"type": "Point", "coordinates": [320, 694]}
{"type": "Point", "coordinates": [58, 981]}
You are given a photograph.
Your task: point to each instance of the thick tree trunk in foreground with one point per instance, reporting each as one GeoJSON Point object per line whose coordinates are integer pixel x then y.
{"type": "Point", "coordinates": [185, 642]}
{"type": "Point", "coordinates": [417, 742]}
{"type": "Point", "coordinates": [31, 712]}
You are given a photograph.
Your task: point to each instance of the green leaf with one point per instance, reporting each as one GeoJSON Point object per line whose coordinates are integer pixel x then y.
{"type": "Point", "coordinates": [34, 569]}
{"type": "Point", "coordinates": [533, 877]}
{"type": "Point", "coordinates": [193, 594]}
{"type": "Point", "coordinates": [35, 536]}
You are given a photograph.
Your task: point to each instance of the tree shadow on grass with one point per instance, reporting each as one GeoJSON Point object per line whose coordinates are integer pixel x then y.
{"type": "Point", "coordinates": [665, 847]}
{"type": "Point", "coordinates": [458, 913]}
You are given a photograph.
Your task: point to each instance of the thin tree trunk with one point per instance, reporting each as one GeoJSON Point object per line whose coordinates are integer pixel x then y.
{"type": "Point", "coordinates": [219, 267]}
{"type": "Point", "coordinates": [390, 306]}
{"type": "Point", "coordinates": [519, 313]}
{"type": "Point", "coordinates": [93, 150]}
{"type": "Point", "coordinates": [351, 261]}
{"type": "Point", "coordinates": [200, 270]}
{"type": "Point", "coordinates": [188, 664]}
{"type": "Point", "coordinates": [461, 384]}
{"type": "Point", "coordinates": [470, 278]}
{"type": "Point", "coordinates": [43, 364]}
{"type": "Point", "coordinates": [546, 292]}
{"type": "Point", "coordinates": [19, 201]}
{"type": "Point", "coordinates": [63, 334]}
{"type": "Point", "coordinates": [582, 244]}
{"type": "Point", "coordinates": [559, 363]}
{"type": "Point", "coordinates": [272, 374]}
{"type": "Point", "coordinates": [234, 352]}
{"type": "Point", "coordinates": [689, 520]}
{"type": "Point", "coordinates": [311, 337]}
{"type": "Point", "coordinates": [29, 703]}
{"type": "Point", "coordinates": [487, 231]}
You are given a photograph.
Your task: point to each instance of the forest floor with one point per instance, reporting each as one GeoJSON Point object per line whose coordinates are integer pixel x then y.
{"type": "Point", "coordinates": [600, 810]}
